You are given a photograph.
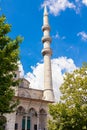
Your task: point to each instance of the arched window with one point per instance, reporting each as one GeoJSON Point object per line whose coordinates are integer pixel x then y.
{"type": "Point", "coordinates": [32, 112]}
{"type": "Point", "coordinates": [43, 119]}
{"type": "Point", "coordinates": [20, 110]}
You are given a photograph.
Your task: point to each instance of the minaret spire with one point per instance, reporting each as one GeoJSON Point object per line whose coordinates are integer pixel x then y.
{"type": "Point", "coordinates": [45, 10]}
{"type": "Point", "coordinates": [47, 52]}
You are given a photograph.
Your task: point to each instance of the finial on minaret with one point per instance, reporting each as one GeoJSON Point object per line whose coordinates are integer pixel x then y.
{"type": "Point", "coordinates": [47, 52]}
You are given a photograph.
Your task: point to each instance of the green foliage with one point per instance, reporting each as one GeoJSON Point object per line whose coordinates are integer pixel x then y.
{"type": "Point", "coordinates": [9, 57]}
{"type": "Point", "coordinates": [71, 112]}
{"type": "Point", "coordinates": [2, 122]}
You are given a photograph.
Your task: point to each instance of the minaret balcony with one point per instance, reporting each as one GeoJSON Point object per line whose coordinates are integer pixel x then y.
{"type": "Point", "coordinates": [47, 51]}
{"type": "Point", "coordinates": [45, 27]}
{"type": "Point", "coordinates": [46, 38]}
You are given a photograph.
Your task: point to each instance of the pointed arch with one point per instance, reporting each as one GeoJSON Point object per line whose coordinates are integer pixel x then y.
{"type": "Point", "coordinates": [32, 111]}
{"type": "Point", "coordinates": [20, 110]}
{"type": "Point", "coordinates": [42, 119]}
{"type": "Point", "coordinates": [42, 111]}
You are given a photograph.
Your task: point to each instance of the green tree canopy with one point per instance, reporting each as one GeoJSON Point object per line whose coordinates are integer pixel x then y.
{"type": "Point", "coordinates": [9, 57]}
{"type": "Point", "coordinates": [71, 112]}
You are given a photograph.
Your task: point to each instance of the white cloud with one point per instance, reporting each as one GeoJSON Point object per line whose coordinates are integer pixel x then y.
{"type": "Point", "coordinates": [59, 66]}
{"type": "Point", "coordinates": [83, 35]}
{"type": "Point", "coordinates": [84, 2]}
{"type": "Point", "coordinates": [78, 4]}
{"type": "Point", "coordinates": [20, 66]}
{"type": "Point", "coordinates": [56, 6]}
{"type": "Point", "coordinates": [57, 36]}
{"type": "Point", "coordinates": [36, 77]}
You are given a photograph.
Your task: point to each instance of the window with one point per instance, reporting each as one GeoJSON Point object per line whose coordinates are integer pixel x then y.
{"type": "Point", "coordinates": [24, 122]}
{"type": "Point", "coordinates": [35, 127]}
{"type": "Point", "coordinates": [28, 123]}
{"type": "Point", "coordinates": [16, 126]}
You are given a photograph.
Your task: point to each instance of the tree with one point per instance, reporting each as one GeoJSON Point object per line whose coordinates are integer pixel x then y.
{"type": "Point", "coordinates": [9, 57]}
{"type": "Point", "coordinates": [71, 112]}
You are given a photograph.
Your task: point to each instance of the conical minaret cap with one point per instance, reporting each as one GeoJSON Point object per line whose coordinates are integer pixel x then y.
{"type": "Point", "coordinates": [45, 10]}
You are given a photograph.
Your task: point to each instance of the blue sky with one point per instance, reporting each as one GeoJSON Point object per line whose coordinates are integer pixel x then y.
{"type": "Point", "coordinates": [68, 21]}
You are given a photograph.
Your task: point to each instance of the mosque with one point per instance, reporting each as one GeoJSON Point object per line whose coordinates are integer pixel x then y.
{"type": "Point", "coordinates": [32, 112]}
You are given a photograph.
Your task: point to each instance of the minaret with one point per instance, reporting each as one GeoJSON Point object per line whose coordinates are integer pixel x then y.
{"type": "Point", "coordinates": [47, 52]}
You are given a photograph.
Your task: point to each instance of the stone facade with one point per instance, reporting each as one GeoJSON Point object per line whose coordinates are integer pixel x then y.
{"type": "Point", "coordinates": [32, 111]}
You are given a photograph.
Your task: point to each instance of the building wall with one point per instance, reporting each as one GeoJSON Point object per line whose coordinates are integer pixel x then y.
{"type": "Point", "coordinates": [29, 107]}
{"type": "Point", "coordinates": [37, 111]}
{"type": "Point", "coordinates": [10, 121]}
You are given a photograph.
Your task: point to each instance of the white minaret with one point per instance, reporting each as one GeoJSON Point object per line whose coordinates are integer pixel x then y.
{"type": "Point", "coordinates": [47, 52]}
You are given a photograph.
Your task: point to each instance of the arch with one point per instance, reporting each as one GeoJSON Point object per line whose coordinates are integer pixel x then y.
{"type": "Point", "coordinates": [33, 118]}
{"type": "Point", "coordinates": [20, 110]}
{"type": "Point", "coordinates": [42, 119]}
{"type": "Point", "coordinates": [32, 111]}
{"type": "Point", "coordinates": [42, 111]}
